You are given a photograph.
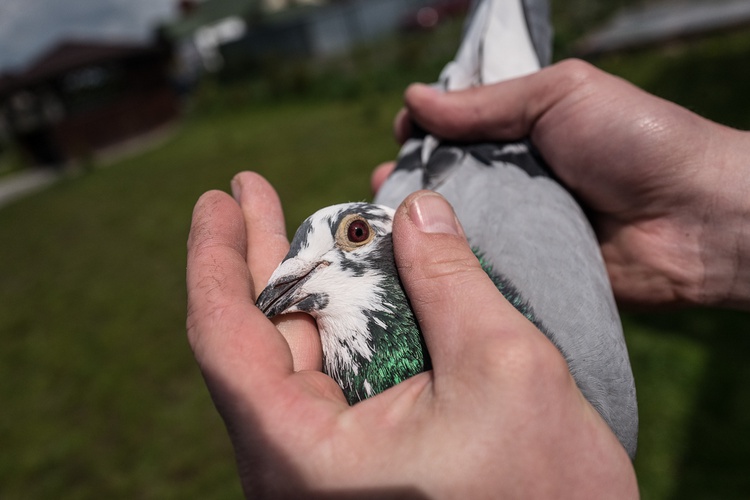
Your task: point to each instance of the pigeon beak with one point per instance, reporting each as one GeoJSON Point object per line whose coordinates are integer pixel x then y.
{"type": "Point", "coordinates": [284, 290]}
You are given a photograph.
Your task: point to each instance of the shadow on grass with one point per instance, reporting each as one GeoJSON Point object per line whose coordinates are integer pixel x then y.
{"type": "Point", "coordinates": [715, 454]}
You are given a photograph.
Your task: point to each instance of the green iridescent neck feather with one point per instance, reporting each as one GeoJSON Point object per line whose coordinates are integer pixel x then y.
{"type": "Point", "coordinates": [398, 348]}
{"type": "Point", "coordinates": [399, 351]}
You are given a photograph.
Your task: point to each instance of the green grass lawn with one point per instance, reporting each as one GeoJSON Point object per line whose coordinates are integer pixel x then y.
{"type": "Point", "coordinates": [100, 396]}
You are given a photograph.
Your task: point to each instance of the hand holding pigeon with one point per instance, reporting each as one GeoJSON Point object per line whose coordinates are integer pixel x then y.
{"type": "Point", "coordinates": [666, 189]}
{"type": "Point", "coordinates": [517, 426]}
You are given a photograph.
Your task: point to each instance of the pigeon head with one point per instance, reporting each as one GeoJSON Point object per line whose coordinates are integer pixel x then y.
{"type": "Point", "coordinates": [333, 247]}
{"type": "Point", "coordinates": [340, 270]}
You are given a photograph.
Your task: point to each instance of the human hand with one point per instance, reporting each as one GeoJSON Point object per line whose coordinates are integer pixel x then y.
{"type": "Point", "coordinates": [498, 416]}
{"type": "Point", "coordinates": [666, 189]}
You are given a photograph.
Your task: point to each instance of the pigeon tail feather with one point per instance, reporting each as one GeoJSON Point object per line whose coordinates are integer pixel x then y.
{"type": "Point", "coordinates": [502, 40]}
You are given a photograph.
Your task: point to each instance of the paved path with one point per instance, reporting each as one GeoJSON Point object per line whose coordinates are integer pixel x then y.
{"type": "Point", "coordinates": [28, 181]}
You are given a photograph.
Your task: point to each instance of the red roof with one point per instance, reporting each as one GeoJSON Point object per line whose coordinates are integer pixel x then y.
{"type": "Point", "coordinates": [72, 54]}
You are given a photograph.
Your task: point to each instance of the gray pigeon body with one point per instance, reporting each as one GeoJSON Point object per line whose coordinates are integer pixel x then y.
{"type": "Point", "coordinates": [524, 224]}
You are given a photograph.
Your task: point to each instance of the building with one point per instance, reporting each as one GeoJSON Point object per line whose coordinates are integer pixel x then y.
{"type": "Point", "coordinates": [323, 31]}
{"type": "Point", "coordinates": [83, 96]}
{"type": "Point", "coordinates": [237, 34]}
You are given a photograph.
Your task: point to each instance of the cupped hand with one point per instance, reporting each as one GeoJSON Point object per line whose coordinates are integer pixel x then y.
{"type": "Point", "coordinates": [498, 416]}
{"type": "Point", "coordinates": [666, 188]}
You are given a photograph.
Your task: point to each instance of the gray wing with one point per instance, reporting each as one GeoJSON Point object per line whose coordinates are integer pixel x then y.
{"type": "Point", "coordinates": [532, 231]}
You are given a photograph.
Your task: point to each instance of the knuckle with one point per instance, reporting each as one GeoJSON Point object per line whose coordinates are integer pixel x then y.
{"type": "Point", "coordinates": [442, 269]}
{"type": "Point", "coordinates": [450, 266]}
{"type": "Point", "coordinates": [440, 276]}
{"type": "Point", "coordinates": [575, 79]}
{"type": "Point", "coordinates": [576, 73]}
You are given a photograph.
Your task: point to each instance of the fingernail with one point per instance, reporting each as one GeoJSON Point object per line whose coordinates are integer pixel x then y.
{"type": "Point", "coordinates": [431, 213]}
{"type": "Point", "coordinates": [236, 189]}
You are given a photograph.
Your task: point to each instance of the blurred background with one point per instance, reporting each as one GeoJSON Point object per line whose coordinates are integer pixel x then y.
{"type": "Point", "coordinates": [116, 115]}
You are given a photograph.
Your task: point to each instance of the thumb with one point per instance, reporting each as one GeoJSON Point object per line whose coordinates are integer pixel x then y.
{"type": "Point", "coordinates": [506, 110]}
{"type": "Point", "coordinates": [491, 112]}
{"type": "Point", "coordinates": [459, 309]}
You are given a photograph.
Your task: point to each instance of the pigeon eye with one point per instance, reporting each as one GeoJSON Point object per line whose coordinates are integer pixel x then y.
{"type": "Point", "coordinates": [358, 231]}
{"type": "Point", "coordinates": [353, 232]}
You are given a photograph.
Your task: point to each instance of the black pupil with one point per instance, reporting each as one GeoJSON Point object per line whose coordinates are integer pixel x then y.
{"type": "Point", "coordinates": [358, 231]}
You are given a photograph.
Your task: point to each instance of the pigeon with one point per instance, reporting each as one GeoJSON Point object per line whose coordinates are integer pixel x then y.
{"type": "Point", "coordinates": [528, 232]}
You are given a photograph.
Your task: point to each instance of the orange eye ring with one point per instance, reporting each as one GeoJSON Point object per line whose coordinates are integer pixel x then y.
{"type": "Point", "coordinates": [354, 232]}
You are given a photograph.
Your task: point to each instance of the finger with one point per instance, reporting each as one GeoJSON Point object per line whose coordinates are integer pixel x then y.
{"type": "Point", "coordinates": [231, 339]}
{"type": "Point", "coordinates": [503, 111]}
{"type": "Point", "coordinates": [266, 247]}
{"type": "Point", "coordinates": [465, 115]}
{"type": "Point", "coordinates": [458, 307]}
{"type": "Point", "coordinates": [402, 126]}
{"type": "Point", "coordinates": [380, 174]}
{"type": "Point", "coordinates": [267, 243]}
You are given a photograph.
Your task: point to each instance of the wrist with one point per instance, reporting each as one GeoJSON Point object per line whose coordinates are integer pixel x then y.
{"type": "Point", "coordinates": [725, 246]}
